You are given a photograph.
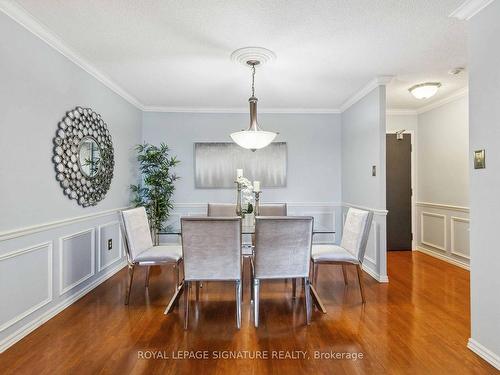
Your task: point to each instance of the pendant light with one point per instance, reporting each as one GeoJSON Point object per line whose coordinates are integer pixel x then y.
{"type": "Point", "coordinates": [254, 137]}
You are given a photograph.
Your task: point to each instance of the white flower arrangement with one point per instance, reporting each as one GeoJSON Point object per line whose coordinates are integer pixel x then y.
{"type": "Point", "coordinates": [247, 197]}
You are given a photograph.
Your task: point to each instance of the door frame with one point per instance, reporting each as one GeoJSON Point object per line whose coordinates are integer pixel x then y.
{"type": "Point", "coordinates": [413, 184]}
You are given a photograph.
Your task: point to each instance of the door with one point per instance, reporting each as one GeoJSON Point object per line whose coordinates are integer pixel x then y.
{"type": "Point", "coordinates": [399, 192]}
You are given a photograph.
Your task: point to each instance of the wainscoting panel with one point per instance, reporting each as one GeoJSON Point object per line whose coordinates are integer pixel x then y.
{"type": "Point", "coordinates": [443, 232]}
{"type": "Point", "coordinates": [76, 259]}
{"type": "Point", "coordinates": [106, 257]}
{"type": "Point", "coordinates": [46, 268]}
{"type": "Point", "coordinates": [25, 282]}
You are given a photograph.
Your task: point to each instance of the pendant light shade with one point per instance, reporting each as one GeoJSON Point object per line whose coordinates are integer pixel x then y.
{"type": "Point", "coordinates": [254, 137]}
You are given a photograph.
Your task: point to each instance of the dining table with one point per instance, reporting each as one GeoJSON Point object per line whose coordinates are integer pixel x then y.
{"type": "Point", "coordinates": [175, 229]}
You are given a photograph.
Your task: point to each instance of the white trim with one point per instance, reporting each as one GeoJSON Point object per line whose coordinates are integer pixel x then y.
{"type": "Point", "coordinates": [61, 257]}
{"type": "Point", "coordinates": [32, 24]}
{"type": "Point", "coordinates": [486, 354]}
{"type": "Point", "coordinates": [376, 211]}
{"type": "Point", "coordinates": [375, 275]}
{"type": "Point", "coordinates": [99, 248]}
{"type": "Point", "coordinates": [443, 257]}
{"type": "Point", "coordinates": [376, 82]}
{"type": "Point", "coordinates": [239, 110]}
{"type": "Point", "coordinates": [454, 219]}
{"type": "Point", "coordinates": [469, 9]}
{"type": "Point", "coordinates": [19, 232]}
{"type": "Point", "coordinates": [459, 94]}
{"type": "Point", "coordinates": [24, 314]}
{"type": "Point", "coordinates": [443, 206]}
{"type": "Point", "coordinates": [422, 235]}
{"type": "Point", "coordinates": [31, 326]}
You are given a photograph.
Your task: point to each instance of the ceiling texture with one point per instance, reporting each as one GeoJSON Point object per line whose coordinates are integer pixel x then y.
{"type": "Point", "coordinates": [176, 54]}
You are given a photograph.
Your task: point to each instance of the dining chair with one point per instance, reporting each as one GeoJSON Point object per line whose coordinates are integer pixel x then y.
{"type": "Point", "coordinates": [272, 209]}
{"type": "Point", "coordinates": [211, 248]}
{"type": "Point", "coordinates": [221, 210]}
{"type": "Point", "coordinates": [282, 251]}
{"type": "Point", "coordinates": [352, 247]}
{"type": "Point", "coordinates": [139, 247]}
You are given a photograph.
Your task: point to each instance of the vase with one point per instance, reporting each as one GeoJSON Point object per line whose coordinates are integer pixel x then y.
{"type": "Point", "coordinates": [248, 220]}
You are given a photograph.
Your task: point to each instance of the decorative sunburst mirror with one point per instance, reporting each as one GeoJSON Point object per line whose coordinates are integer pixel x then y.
{"type": "Point", "coordinates": [83, 156]}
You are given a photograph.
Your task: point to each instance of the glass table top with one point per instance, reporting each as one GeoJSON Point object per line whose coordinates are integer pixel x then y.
{"type": "Point", "coordinates": [176, 229]}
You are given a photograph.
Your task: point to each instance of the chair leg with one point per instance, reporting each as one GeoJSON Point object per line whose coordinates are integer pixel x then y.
{"type": "Point", "coordinates": [131, 269]}
{"type": "Point", "coordinates": [361, 285]}
{"type": "Point", "coordinates": [186, 304]}
{"type": "Point", "coordinates": [197, 291]}
{"type": "Point", "coordinates": [294, 288]}
{"type": "Point", "coordinates": [344, 272]}
{"type": "Point", "coordinates": [148, 270]}
{"type": "Point", "coordinates": [316, 270]}
{"type": "Point", "coordinates": [238, 303]}
{"type": "Point", "coordinates": [307, 294]}
{"type": "Point", "coordinates": [251, 280]}
{"type": "Point", "coordinates": [256, 302]}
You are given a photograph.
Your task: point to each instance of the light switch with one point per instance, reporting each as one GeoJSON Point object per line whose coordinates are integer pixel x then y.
{"type": "Point", "coordinates": [374, 170]}
{"type": "Point", "coordinates": [110, 244]}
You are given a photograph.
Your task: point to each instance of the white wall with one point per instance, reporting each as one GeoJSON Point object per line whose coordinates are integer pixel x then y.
{"type": "Point", "coordinates": [396, 123]}
{"type": "Point", "coordinates": [484, 96]}
{"type": "Point", "coordinates": [52, 251]}
{"type": "Point", "coordinates": [313, 173]}
{"type": "Point", "coordinates": [363, 146]}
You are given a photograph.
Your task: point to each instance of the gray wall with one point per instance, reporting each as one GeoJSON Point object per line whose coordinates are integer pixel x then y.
{"type": "Point", "coordinates": [38, 85]}
{"type": "Point", "coordinates": [52, 251]}
{"type": "Point", "coordinates": [363, 145]}
{"type": "Point", "coordinates": [484, 96]}
{"type": "Point", "coordinates": [443, 154]}
{"type": "Point", "coordinates": [313, 152]}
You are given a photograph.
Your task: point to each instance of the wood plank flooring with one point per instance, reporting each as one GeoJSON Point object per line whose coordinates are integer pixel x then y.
{"type": "Point", "coordinates": [416, 324]}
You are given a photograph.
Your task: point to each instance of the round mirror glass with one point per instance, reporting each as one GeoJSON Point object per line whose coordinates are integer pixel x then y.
{"type": "Point", "coordinates": [89, 157]}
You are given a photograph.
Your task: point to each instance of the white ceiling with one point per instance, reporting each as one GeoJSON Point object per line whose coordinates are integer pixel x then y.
{"type": "Point", "coordinates": [176, 53]}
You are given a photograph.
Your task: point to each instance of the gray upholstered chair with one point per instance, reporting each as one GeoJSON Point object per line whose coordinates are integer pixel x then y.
{"type": "Point", "coordinates": [272, 209]}
{"type": "Point", "coordinates": [139, 246]}
{"type": "Point", "coordinates": [282, 251]}
{"type": "Point", "coordinates": [221, 210]}
{"type": "Point", "coordinates": [352, 247]}
{"type": "Point", "coordinates": [211, 248]}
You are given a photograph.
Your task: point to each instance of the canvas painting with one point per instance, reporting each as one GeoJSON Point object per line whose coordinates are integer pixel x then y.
{"type": "Point", "coordinates": [216, 164]}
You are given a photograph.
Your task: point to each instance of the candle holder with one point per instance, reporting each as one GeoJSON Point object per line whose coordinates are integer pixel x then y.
{"type": "Point", "coordinates": [238, 198]}
{"type": "Point", "coordinates": [257, 203]}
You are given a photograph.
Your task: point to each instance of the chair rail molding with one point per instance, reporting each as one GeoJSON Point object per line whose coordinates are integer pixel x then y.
{"type": "Point", "coordinates": [443, 206]}
{"type": "Point", "coordinates": [20, 232]}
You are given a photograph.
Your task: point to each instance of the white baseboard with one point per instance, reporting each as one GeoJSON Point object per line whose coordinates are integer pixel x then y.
{"type": "Point", "coordinates": [375, 275]}
{"type": "Point", "coordinates": [484, 353]}
{"type": "Point", "coordinates": [31, 326]}
{"type": "Point", "coordinates": [443, 257]}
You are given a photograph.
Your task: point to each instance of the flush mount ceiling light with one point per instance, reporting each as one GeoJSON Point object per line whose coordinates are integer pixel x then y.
{"type": "Point", "coordinates": [424, 90]}
{"type": "Point", "coordinates": [254, 137]}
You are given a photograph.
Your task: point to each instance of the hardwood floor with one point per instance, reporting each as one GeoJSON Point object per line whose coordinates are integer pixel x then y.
{"type": "Point", "coordinates": [416, 324]}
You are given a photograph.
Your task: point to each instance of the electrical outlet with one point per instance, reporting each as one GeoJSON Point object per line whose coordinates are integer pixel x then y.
{"type": "Point", "coordinates": [110, 244]}
{"type": "Point", "coordinates": [374, 170]}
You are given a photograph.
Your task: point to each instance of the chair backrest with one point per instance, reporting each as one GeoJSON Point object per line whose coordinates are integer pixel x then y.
{"type": "Point", "coordinates": [282, 246]}
{"type": "Point", "coordinates": [211, 248]}
{"type": "Point", "coordinates": [356, 231]}
{"type": "Point", "coordinates": [272, 209]}
{"type": "Point", "coordinates": [221, 210]}
{"type": "Point", "coordinates": [135, 226]}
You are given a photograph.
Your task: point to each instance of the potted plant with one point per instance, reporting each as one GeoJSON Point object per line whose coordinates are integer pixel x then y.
{"type": "Point", "coordinates": [157, 187]}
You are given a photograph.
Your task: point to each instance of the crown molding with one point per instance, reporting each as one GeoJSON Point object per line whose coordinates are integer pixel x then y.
{"type": "Point", "coordinates": [240, 110]}
{"type": "Point", "coordinates": [378, 81]}
{"type": "Point", "coordinates": [469, 9]}
{"type": "Point", "coordinates": [450, 98]}
{"type": "Point", "coordinates": [29, 22]}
